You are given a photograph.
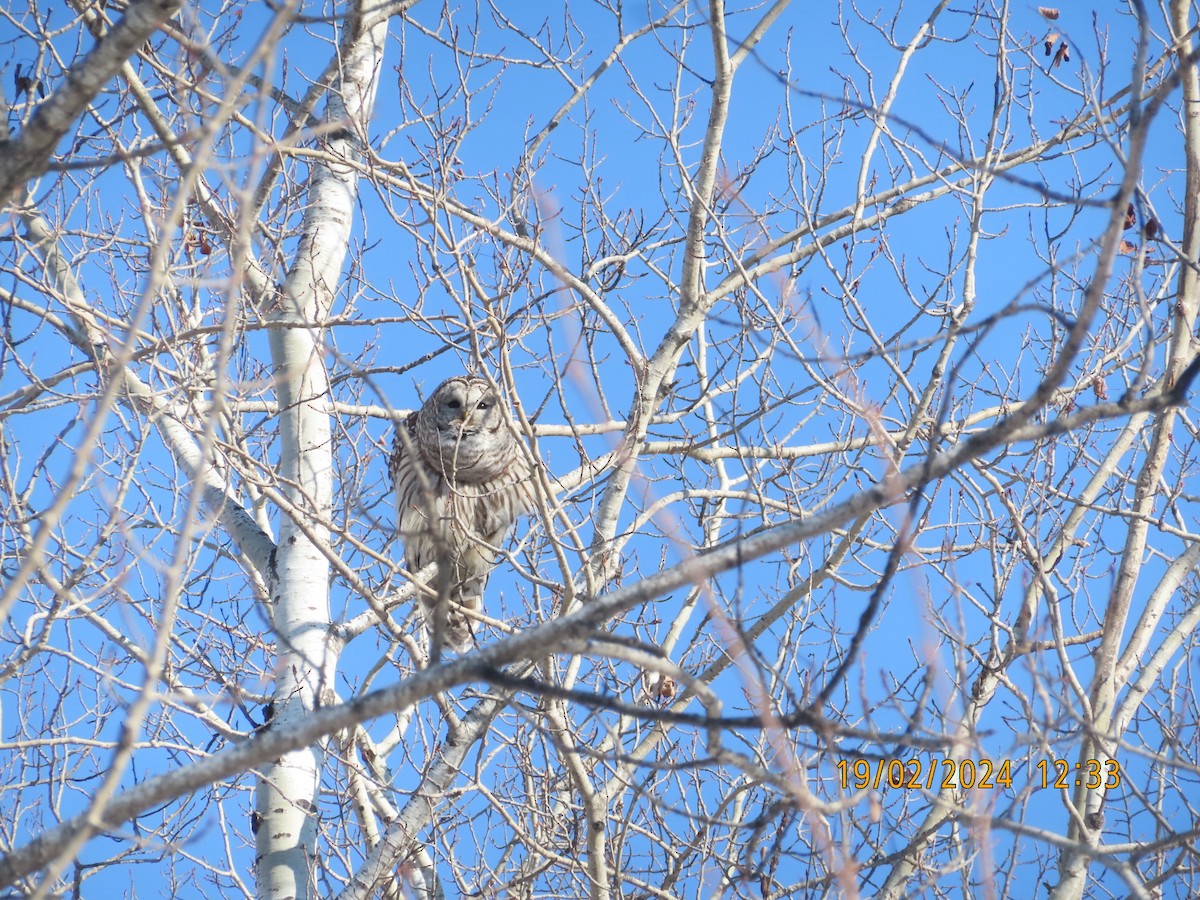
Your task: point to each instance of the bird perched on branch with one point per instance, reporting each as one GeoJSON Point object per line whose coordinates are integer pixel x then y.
{"type": "Point", "coordinates": [461, 479]}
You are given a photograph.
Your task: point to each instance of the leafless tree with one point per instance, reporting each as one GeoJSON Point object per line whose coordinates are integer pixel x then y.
{"type": "Point", "coordinates": [851, 353]}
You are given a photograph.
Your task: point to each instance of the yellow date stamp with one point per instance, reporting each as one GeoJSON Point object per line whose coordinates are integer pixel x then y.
{"type": "Point", "coordinates": [968, 774]}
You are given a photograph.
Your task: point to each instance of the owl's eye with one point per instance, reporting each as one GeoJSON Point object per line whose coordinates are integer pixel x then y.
{"type": "Point", "coordinates": [484, 404]}
{"type": "Point", "coordinates": [454, 404]}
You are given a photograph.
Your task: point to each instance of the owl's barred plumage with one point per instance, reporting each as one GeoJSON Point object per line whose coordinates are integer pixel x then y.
{"type": "Point", "coordinates": [476, 483]}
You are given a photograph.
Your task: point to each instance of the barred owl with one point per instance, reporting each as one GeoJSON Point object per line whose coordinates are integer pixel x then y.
{"type": "Point", "coordinates": [461, 480]}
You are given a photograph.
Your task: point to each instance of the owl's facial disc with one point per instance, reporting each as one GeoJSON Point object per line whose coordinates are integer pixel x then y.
{"type": "Point", "coordinates": [469, 412]}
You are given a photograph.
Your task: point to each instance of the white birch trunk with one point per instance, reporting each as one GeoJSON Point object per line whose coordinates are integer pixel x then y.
{"type": "Point", "coordinates": [1114, 667]}
{"type": "Point", "coordinates": [308, 653]}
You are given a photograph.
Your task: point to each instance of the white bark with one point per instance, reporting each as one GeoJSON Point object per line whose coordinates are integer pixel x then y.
{"type": "Point", "coordinates": [308, 651]}
{"type": "Point", "coordinates": [1109, 715]}
{"type": "Point", "coordinates": [24, 156]}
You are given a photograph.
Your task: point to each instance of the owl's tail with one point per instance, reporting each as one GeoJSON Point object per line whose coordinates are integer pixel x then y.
{"type": "Point", "coordinates": [457, 625]}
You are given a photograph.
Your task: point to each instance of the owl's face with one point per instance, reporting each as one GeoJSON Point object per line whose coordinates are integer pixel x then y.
{"type": "Point", "coordinates": [465, 407]}
{"type": "Point", "coordinates": [464, 421]}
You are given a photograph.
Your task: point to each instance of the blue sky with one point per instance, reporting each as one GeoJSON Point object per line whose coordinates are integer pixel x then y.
{"type": "Point", "coordinates": [797, 77]}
